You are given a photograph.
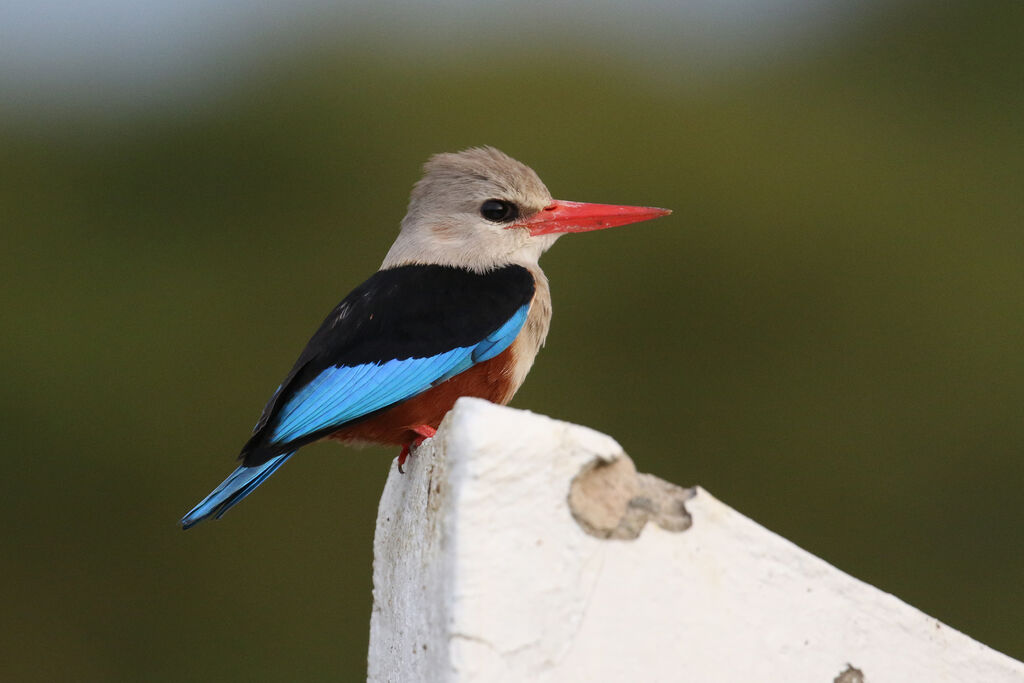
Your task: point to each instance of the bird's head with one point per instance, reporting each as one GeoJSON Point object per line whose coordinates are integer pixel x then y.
{"type": "Point", "coordinates": [480, 209]}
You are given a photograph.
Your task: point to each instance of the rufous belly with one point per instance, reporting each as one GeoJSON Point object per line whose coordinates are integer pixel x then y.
{"type": "Point", "coordinates": [491, 380]}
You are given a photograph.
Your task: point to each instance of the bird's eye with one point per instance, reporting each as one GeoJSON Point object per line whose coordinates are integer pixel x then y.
{"type": "Point", "coordinates": [499, 211]}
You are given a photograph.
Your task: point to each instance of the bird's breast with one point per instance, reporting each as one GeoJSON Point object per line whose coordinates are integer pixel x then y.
{"type": "Point", "coordinates": [535, 329]}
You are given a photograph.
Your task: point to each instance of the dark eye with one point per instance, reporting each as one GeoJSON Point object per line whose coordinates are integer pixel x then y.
{"type": "Point", "coordinates": [499, 211]}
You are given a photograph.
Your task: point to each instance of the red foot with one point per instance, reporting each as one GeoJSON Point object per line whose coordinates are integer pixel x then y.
{"type": "Point", "coordinates": [425, 432]}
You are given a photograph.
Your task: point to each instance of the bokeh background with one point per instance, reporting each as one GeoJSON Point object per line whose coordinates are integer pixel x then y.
{"type": "Point", "coordinates": [827, 333]}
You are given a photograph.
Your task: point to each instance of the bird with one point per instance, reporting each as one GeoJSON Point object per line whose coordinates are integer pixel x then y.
{"type": "Point", "coordinates": [459, 307]}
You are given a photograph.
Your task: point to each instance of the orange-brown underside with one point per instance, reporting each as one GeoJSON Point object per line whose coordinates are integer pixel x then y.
{"type": "Point", "coordinates": [490, 380]}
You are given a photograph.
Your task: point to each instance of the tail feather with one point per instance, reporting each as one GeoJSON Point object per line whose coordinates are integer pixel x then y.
{"type": "Point", "coordinates": [237, 486]}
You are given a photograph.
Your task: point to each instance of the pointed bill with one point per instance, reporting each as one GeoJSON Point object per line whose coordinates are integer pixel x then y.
{"type": "Point", "coordinates": [562, 216]}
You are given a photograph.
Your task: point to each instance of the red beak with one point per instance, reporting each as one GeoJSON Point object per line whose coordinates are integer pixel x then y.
{"type": "Point", "coordinates": [560, 216]}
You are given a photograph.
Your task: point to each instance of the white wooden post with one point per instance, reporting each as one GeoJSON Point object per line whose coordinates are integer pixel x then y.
{"type": "Point", "coordinates": [520, 548]}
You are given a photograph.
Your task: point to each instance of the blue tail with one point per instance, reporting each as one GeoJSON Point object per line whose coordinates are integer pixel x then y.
{"type": "Point", "coordinates": [237, 486]}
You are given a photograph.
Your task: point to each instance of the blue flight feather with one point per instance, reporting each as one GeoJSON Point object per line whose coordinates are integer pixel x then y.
{"type": "Point", "coordinates": [232, 490]}
{"type": "Point", "coordinates": [492, 345]}
{"type": "Point", "coordinates": [501, 338]}
{"type": "Point", "coordinates": [342, 394]}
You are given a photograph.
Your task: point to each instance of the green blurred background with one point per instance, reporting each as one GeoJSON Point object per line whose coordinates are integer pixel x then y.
{"type": "Point", "coordinates": [826, 334]}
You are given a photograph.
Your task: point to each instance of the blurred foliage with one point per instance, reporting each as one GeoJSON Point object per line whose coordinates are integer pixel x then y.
{"type": "Point", "coordinates": [827, 333]}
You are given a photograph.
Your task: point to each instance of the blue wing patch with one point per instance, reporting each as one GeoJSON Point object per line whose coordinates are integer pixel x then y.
{"type": "Point", "coordinates": [501, 338]}
{"type": "Point", "coordinates": [342, 394]}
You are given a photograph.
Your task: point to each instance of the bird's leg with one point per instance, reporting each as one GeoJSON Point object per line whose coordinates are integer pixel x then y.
{"type": "Point", "coordinates": [424, 432]}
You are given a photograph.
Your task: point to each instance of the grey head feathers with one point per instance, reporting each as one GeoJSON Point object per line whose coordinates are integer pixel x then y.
{"type": "Point", "coordinates": [454, 179]}
{"type": "Point", "coordinates": [444, 225]}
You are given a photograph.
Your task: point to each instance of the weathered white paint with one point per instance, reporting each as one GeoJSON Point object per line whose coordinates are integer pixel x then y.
{"type": "Point", "coordinates": [482, 574]}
